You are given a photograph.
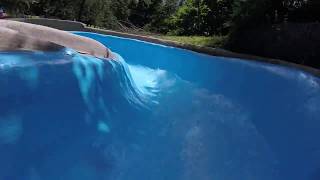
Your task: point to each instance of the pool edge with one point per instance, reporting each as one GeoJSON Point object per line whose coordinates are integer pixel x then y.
{"type": "Point", "coordinates": [78, 26]}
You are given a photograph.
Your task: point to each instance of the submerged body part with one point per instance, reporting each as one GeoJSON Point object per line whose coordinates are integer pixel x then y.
{"type": "Point", "coordinates": [23, 36]}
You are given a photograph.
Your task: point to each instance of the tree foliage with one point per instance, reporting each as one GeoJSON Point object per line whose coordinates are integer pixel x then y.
{"type": "Point", "coordinates": [181, 17]}
{"type": "Point", "coordinates": [202, 17]}
{"type": "Point", "coordinates": [17, 6]}
{"type": "Point", "coordinates": [249, 13]}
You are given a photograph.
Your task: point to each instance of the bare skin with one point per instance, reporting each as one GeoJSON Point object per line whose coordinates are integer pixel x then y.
{"type": "Point", "coordinates": [23, 36]}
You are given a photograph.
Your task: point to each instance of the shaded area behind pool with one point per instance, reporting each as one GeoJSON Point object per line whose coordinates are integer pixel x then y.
{"type": "Point", "coordinates": [167, 114]}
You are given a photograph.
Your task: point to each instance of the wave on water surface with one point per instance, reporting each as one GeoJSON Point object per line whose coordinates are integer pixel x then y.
{"type": "Point", "coordinates": [64, 92]}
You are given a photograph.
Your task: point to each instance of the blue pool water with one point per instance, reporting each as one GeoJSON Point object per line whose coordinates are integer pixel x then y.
{"type": "Point", "coordinates": [157, 113]}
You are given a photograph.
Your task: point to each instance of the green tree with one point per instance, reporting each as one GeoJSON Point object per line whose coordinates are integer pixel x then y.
{"type": "Point", "coordinates": [219, 17]}
{"type": "Point", "coordinates": [120, 9]}
{"type": "Point", "coordinates": [17, 7]}
{"type": "Point", "coordinates": [202, 17]}
{"type": "Point", "coordinates": [62, 9]}
{"type": "Point", "coordinates": [159, 14]}
{"type": "Point", "coordinates": [82, 4]}
{"type": "Point", "coordinates": [138, 12]}
{"type": "Point", "coordinates": [251, 13]}
{"type": "Point", "coordinates": [151, 14]}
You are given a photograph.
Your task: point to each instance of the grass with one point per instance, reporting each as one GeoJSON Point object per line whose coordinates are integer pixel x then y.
{"type": "Point", "coordinates": [205, 41]}
{"type": "Point", "coordinates": [211, 41]}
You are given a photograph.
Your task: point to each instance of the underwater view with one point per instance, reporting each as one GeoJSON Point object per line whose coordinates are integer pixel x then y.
{"type": "Point", "coordinates": [155, 113]}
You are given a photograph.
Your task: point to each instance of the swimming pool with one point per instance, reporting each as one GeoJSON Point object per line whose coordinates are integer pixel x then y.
{"type": "Point", "coordinates": [157, 113]}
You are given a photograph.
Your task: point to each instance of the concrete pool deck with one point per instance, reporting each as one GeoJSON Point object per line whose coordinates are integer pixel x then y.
{"type": "Point", "coordinates": [68, 25]}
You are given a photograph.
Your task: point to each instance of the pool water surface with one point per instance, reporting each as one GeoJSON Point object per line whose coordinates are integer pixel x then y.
{"type": "Point", "coordinates": [156, 113]}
